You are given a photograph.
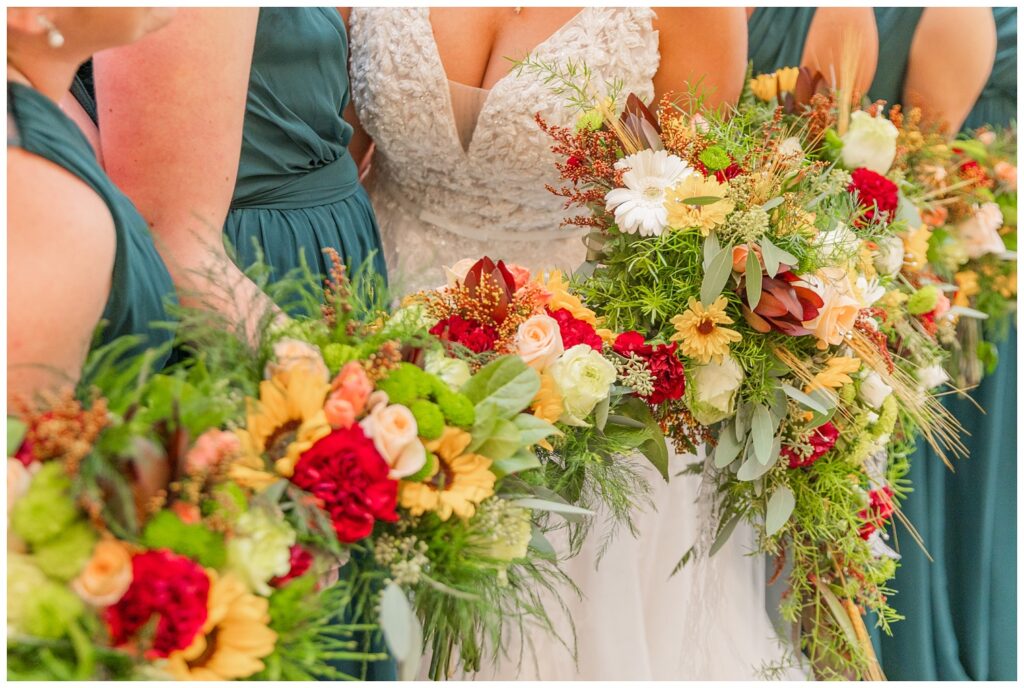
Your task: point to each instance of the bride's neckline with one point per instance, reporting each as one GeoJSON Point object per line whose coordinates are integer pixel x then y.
{"type": "Point", "coordinates": [486, 93]}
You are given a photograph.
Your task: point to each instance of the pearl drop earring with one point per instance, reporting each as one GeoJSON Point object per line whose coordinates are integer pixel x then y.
{"type": "Point", "coordinates": [53, 35]}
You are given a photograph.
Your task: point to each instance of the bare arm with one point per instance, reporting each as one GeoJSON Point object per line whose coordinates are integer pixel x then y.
{"type": "Point", "coordinates": [831, 28]}
{"type": "Point", "coordinates": [60, 246]}
{"type": "Point", "coordinates": [172, 108]}
{"type": "Point", "coordinates": [359, 146]}
{"type": "Point", "coordinates": [950, 61]}
{"type": "Point", "coordinates": [702, 44]}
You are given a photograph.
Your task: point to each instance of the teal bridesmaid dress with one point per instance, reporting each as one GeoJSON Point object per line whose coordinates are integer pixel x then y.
{"type": "Point", "coordinates": [776, 37]}
{"type": "Point", "coordinates": [298, 189]}
{"type": "Point", "coordinates": [141, 290]}
{"type": "Point", "coordinates": [960, 608]}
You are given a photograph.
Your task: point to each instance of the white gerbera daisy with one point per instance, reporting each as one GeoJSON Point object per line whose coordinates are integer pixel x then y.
{"type": "Point", "coordinates": [640, 207]}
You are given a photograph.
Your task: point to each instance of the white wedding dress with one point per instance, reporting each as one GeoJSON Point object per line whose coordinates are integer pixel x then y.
{"type": "Point", "coordinates": [460, 172]}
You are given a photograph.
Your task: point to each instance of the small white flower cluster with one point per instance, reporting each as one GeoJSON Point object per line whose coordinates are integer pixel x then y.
{"type": "Point", "coordinates": [405, 557]}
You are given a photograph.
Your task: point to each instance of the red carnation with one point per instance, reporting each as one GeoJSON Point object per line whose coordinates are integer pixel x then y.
{"type": "Point", "coordinates": [469, 333]}
{"type": "Point", "coordinates": [880, 509]}
{"type": "Point", "coordinates": [662, 362]}
{"type": "Point", "coordinates": [166, 585]}
{"type": "Point", "coordinates": [575, 331]}
{"type": "Point", "coordinates": [875, 193]}
{"type": "Point", "coordinates": [344, 471]}
{"type": "Point", "coordinates": [821, 440]}
{"type": "Point", "coordinates": [632, 343]}
{"type": "Point", "coordinates": [723, 175]}
{"type": "Point", "coordinates": [299, 560]}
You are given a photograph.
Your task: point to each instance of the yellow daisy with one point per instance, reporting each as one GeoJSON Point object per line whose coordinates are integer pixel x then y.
{"type": "Point", "coordinates": [459, 482]}
{"type": "Point", "coordinates": [235, 638]}
{"type": "Point", "coordinates": [561, 298]}
{"type": "Point", "coordinates": [704, 216]}
{"type": "Point", "coordinates": [286, 421]}
{"type": "Point", "coordinates": [699, 334]}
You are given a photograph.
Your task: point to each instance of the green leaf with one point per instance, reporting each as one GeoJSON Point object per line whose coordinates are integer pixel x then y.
{"type": "Point", "coordinates": [15, 434]}
{"type": "Point", "coordinates": [753, 280]}
{"type": "Point", "coordinates": [774, 256]}
{"type": "Point", "coordinates": [723, 534]}
{"type": "Point", "coordinates": [780, 507]}
{"type": "Point", "coordinates": [701, 200]}
{"type": "Point", "coordinates": [908, 212]}
{"type": "Point", "coordinates": [711, 249]}
{"type": "Point", "coordinates": [761, 433]}
{"type": "Point", "coordinates": [522, 460]}
{"type": "Point", "coordinates": [804, 399]}
{"type": "Point", "coordinates": [195, 541]}
{"type": "Point", "coordinates": [533, 429]}
{"type": "Point", "coordinates": [601, 412]}
{"type": "Point", "coordinates": [752, 468]}
{"type": "Point", "coordinates": [820, 419]}
{"type": "Point", "coordinates": [539, 544]}
{"type": "Point", "coordinates": [728, 448]}
{"type": "Point", "coordinates": [624, 421]}
{"type": "Point", "coordinates": [569, 512]}
{"type": "Point", "coordinates": [772, 203]}
{"type": "Point", "coordinates": [655, 449]}
{"type": "Point", "coordinates": [506, 383]}
{"type": "Point", "coordinates": [716, 276]}
{"type": "Point", "coordinates": [503, 442]}
{"type": "Point", "coordinates": [402, 631]}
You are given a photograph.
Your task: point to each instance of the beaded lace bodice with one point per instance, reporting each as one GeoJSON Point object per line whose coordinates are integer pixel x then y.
{"type": "Point", "coordinates": [438, 202]}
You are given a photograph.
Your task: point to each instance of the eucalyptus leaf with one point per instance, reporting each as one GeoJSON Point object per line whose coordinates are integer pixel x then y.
{"type": "Point", "coordinates": [701, 200]}
{"type": "Point", "coordinates": [506, 383]}
{"type": "Point", "coordinates": [742, 425]}
{"type": "Point", "coordinates": [601, 413]}
{"type": "Point", "coordinates": [532, 429]}
{"type": "Point", "coordinates": [402, 631]}
{"type": "Point", "coordinates": [761, 433]}
{"type": "Point", "coordinates": [753, 280]}
{"type": "Point", "coordinates": [751, 469]}
{"type": "Point", "coordinates": [780, 507]}
{"type": "Point", "coordinates": [716, 276]}
{"type": "Point", "coordinates": [711, 249]}
{"type": "Point", "coordinates": [654, 449]}
{"type": "Point", "coordinates": [804, 399]}
{"type": "Point", "coordinates": [624, 421]}
{"type": "Point", "coordinates": [723, 534]}
{"type": "Point", "coordinates": [540, 544]}
{"type": "Point", "coordinates": [968, 312]}
{"type": "Point", "coordinates": [503, 441]}
{"type": "Point", "coordinates": [569, 512]}
{"type": "Point", "coordinates": [15, 434]}
{"type": "Point", "coordinates": [772, 203]}
{"type": "Point", "coordinates": [727, 450]}
{"type": "Point", "coordinates": [522, 460]}
{"type": "Point", "coordinates": [775, 256]}
{"type": "Point", "coordinates": [820, 419]}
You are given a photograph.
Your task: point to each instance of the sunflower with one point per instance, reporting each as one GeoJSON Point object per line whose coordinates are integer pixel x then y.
{"type": "Point", "coordinates": [708, 204]}
{"type": "Point", "coordinates": [286, 421]}
{"type": "Point", "coordinates": [699, 334]}
{"type": "Point", "coordinates": [459, 480]}
{"type": "Point", "coordinates": [234, 640]}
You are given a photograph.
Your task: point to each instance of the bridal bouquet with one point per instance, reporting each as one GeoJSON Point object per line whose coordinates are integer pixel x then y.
{"type": "Point", "coordinates": [595, 387]}
{"type": "Point", "coordinates": [772, 270]}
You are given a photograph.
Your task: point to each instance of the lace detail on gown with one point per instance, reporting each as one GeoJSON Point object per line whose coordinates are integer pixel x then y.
{"type": "Point", "coordinates": [436, 201]}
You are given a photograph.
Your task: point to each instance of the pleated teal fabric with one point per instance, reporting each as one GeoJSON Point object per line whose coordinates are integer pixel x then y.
{"type": "Point", "coordinates": [961, 609]}
{"type": "Point", "coordinates": [298, 191]}
{"type": "Point", "coordinates": [141, 290]}
{"type": "Point", "coordinates": [776, 37]}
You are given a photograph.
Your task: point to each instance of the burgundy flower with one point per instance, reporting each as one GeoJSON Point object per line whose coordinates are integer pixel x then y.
{"type": "Point", "coordinates": [723, 175]}
{"type": "Point", "coordinates": [469, 333]}
{"type": "Point", "coordinates": [821, 440]}
{"type": "Point", "coordinates": [786, 304]}
{"type": "Point", "coordinates": [300, 560]}
{"type": "Point", "coordinates": [669, 377]}
{"type": "Point", "coordinates": [168, 586]}
{"type": "Point", "coordinates": [880, 509]}
{"type": "Point", "coordinates": [876, 194]}
{"type": "Point", "coordinates": [344, 471]}
{"type": "Point", "coordinates": [492, 284]}
{"type": "Point", "coordinates": [575, 331]}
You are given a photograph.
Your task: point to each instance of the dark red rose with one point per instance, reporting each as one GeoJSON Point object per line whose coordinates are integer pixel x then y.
{"type": "Point", "coordinates": [632, 343]}
{"type": "Point", "coordinates": [469, 333]}
{"type": "Point", "coordinates": [168, 586]}
{"type": "Point", "coordinates": [876, 194]}
{"type": "Point", "coordinates": [344, 471]}
{"type": "Point", "coordinates": [575, 331]}
{"type": "Point", "coordinates": [492, 284]}
{"type": "Point", "coordinates": [821, 440]}
{"type": "Point", "coordinates": [300, 560]}
{"type": "Point", "coordinates": [786, 304]}
{"type": "Point", "coordinates": [880, 509]}
{"type": "Point", "coordinates": [669, 377]}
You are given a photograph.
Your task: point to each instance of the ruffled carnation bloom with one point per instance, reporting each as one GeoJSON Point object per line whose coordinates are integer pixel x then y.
{"type": "Point", "coordinates": [575, 331]}
{"type": "Point", "coordinates": [714, 206]}
{"type": "Point", "coordinates": [107, 576]}
{"type": "Point", "coordinates": [465, 479]}
{"type": "Point", "coordinates": [880, 509]}
{"type": "Point", "coordinates": [469, 333]}
{"type": "Point", "coordinates": [169, 587]}
{"type": "Point", "coordinates": [539, 341]}
{"type": "Point", "coordinates": [666, 369]}
{"type": "Point", "coordinates": [877, 195]}
{"type": "Point", "coordinates": [259, 548]}
{"type": "Point", "coordinates": [869, 142]}
{"type": "Point", "coordinates": [395, 434]}
{"type": "Point", "coordinates": [816, 444]}
{"type": "Point", "coordinates": [979, 234]}
{"type": "Point", "coordinates": [584, 378]}
{"type": "Point", "coordinates": [640, 206]}
{"type": "Point", "coordinates": [350, 478]}
{"type": "Point", "coordinates": [700, 333]}
{"type": "Point", "coordinates": [291, 354]}
{"type": "Point", "coordinates": [839, 310]}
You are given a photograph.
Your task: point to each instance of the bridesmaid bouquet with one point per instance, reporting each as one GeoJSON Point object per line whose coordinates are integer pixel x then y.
{"type": "Point", "coordinates": [734, 236]}
{"type": "Point", "coordinates": [595, 387]}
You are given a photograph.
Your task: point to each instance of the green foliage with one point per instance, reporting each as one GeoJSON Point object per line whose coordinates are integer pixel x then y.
{"type": "Point", "coordinates": [429, 419]}
{"type": "Point", "coordinates": [195, 541]}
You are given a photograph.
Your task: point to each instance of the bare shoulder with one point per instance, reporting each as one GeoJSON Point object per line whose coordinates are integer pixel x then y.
{"type": "Point", "coordinates": [706, 45]}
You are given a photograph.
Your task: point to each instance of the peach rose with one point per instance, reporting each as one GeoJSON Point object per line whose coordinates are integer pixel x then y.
{"type": "Point", "coordinates": [212, 447]}
{"type": "Point", "coordinates": [339, 412]}
{"type": "Point", "coordinates": [837, 316]}
{"type": "Point", "coordinates": [1006, 173]}
{"type": "Point", "coordinates": [539, 341]}
{"type": "Point", "coordinates": [394, 433]}
{"type": "Point", "coordinates": [106, 577]}
{"type": "Point", "coordinates": [520, 275]}
{"type": "Point", "coordinates": [292, 354]}
{"type": "Point", "coordinates": [979, 234]}
{"type": "Point", "coordinates": [351, 384]}
{"type": "Point", "coordinates": [739, 258]}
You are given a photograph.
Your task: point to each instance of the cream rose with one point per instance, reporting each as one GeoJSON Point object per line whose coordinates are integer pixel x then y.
{"type": "Point", "coordinates": [979, 234]}
{"type": "Point", "coordinates": [584, 378]}
{"type": "Point", "coordinates": [839, 312]}
{"type": "Point", "coordinates": [456, 274]}
{"type": "Point", "coordinates": [539, 341]}
{"type": "Point", "coordinates": [107, 576]}
{"type": "Point", "coordinates": [888, 258]}
{"type": "Point", "coordinates": [869, 142]}
{"type": "Point", "coordinates": [454, 372]}
{"type": "Point", "coordinates": [260, 549]}
{"type": "Point", "coordinates": [712, 390]}
{"type": "Point", "coordinates": [395, 434]}
{"type": "Point", "coordinates": [292, 354]}
{"type": "Point", "coordinates": [838, 243]}
{"type": "Point", "coordinates": [874, 391]}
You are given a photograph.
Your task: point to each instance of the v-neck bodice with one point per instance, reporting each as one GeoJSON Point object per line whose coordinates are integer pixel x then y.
{"type": "Point", "coordinates": [441, 196]}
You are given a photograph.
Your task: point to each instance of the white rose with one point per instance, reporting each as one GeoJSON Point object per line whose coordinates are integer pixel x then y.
{"type": "Point", "coordinates": [395, 434]}
{"type": "Point", "coordinates": [979, 234]}
{"type": "Point", "coordinates": [260, 549]}
{"type": "Point", "coordinates": [584, 377]}
{"type": "Point", "coordinates": [869, 142]}
{"type": "Point", "coordinates": [456, 274]}
{"type": "Point", "coordinates": [873, 391]}
{"type": "Point", "coordinates": [931, 376]}
{"type": "Point", "coordinates": [839, 242]}
{"type": "Point", "coordinates": [539, 341]}
{"type": "Point", "coordinates": [888, 258]}
{"type": "Point", "coordinates": [712, 390]}
{"type": "Point", "coordinates": [454, 372]}
{"type": "Point", "coordinates": [791, 146]}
